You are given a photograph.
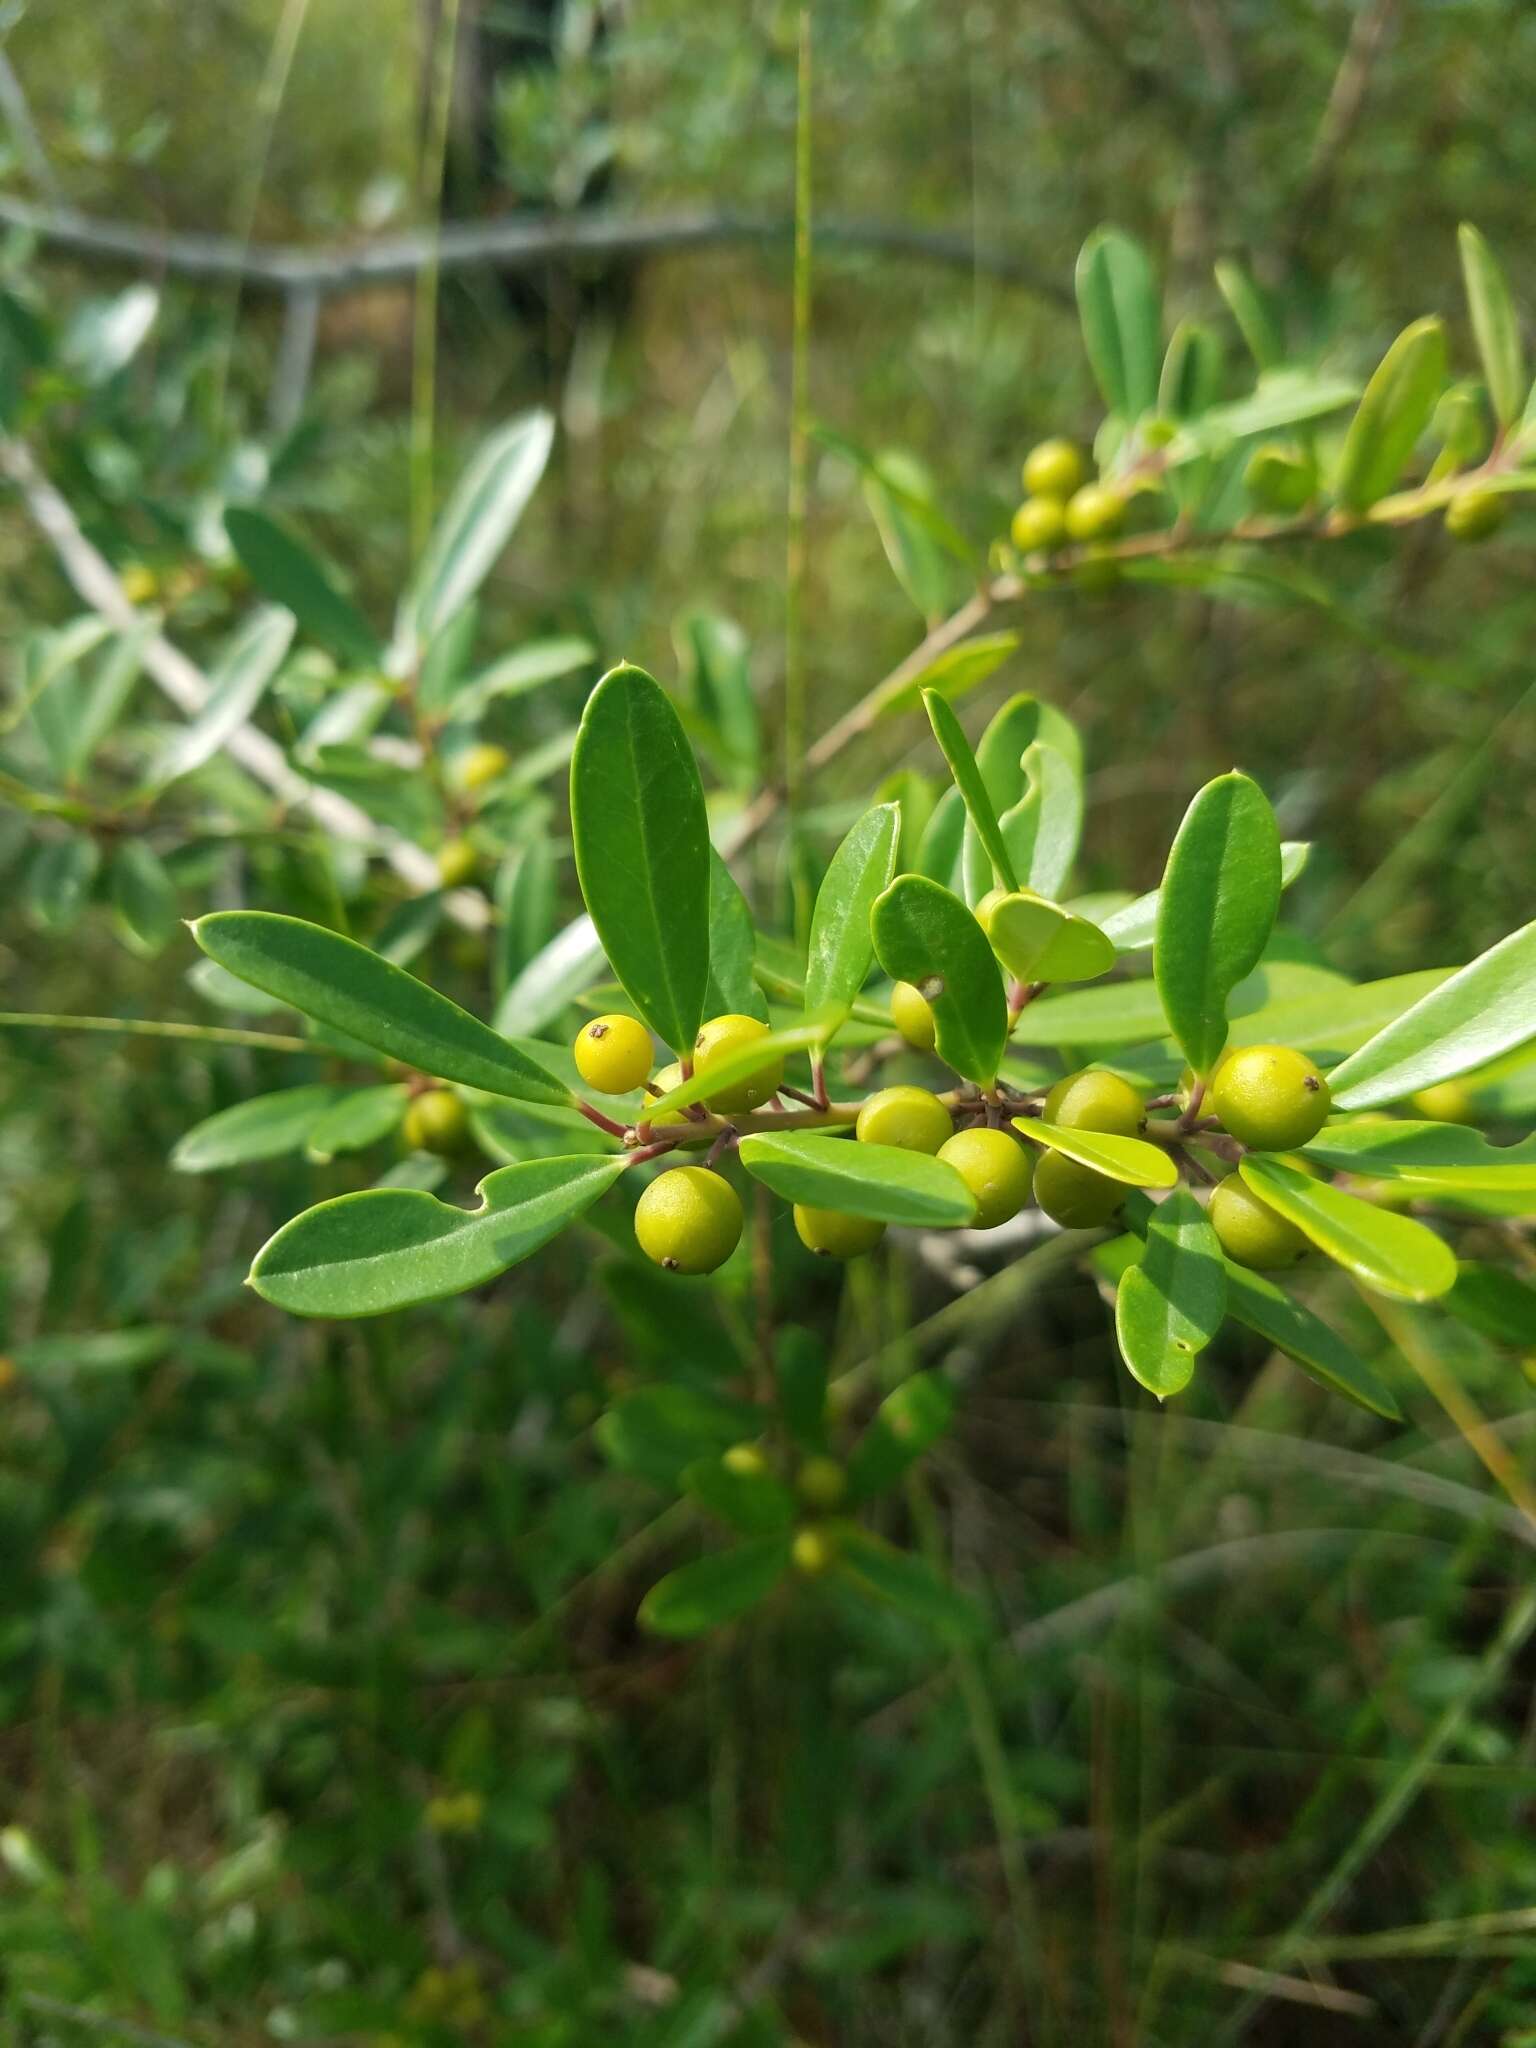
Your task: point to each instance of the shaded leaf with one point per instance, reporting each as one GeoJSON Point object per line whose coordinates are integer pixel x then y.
{"type": "Point", "coordinates": [283, 569]}
{"type": "Point", "coordinates": [841, 944]}
{"type": "Point", "coordinates": [1118, 305]}
{"type": "Point", "coordinates": [715, 1589]}
{"type": "Point", "coordinates": [263, 1128]}
{"type": "Point", "coordinates": [1292, 1328]}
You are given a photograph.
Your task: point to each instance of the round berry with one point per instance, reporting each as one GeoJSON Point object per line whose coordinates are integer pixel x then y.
{"type": "Point", "coordinates": [688, 1220]}
{"type": "Point", "coordinates": [1075, 1196]}
{"type": "Point", "coordinates": [1270, 1097]}
{"type": "Point", "coordinates": [1447, 1102]}
{"type": "Point", "coordinates": [745, 1460]}
{"type": "Point", "coordinates": [1278, 479]}
{"type": "Point", "coordinates": [140, 583]}
{"type": "Point", "coordinates": [1251, 1232]}
{"type": "Point", "coordinates": [613, 1053]}
{"type": "Point", "coordinates": [1054, 469]}
{"type": "Point", "coordinates": [912, 1119]}
{"type": "Point", "coordinates": [1095, 1100]}
{"type": "Point", "coordinates": [1476, 514]}
{"type": "Point", "coordinates": [822, 1483]}
{"type": "Point", "coordinates": [912, 1014]}
{"type": "Point", "coordinates": [1039, 526]}
{"type": "Point", "coordinates": [721, 1039]}
{"type": "Point", "coordinates": [1094, 512]}
{"type": "Point", "coordinates": [456, 862]}
{"type": "Point", "coordinates": [665, 1079]}
{"type": "Point", "coordinates": [481, 765]}
{"type": "Point", "coordinates": [436, 1121]}
{"type": "Point", "coordinates": [996, 1168]}
{"type": "Point", "coordinates": [812, 1552]}
{"type": "Point", "coordinates": [833, 1234]}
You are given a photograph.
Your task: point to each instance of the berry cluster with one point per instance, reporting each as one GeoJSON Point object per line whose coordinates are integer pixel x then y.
{"type": "Point", "coordinates": [1060, 506]}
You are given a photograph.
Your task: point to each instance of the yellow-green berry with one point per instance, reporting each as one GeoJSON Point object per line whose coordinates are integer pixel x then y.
{"type": "Point", "coordinates": [1075, 1196]}
{"type": "Point", "coordinates": [912, 1014]}
{"type": "Point", "coordinates": [1039, 526]}
{"type": "Point", "coordinates": [822, 1483]}
{"type": "Point", "coordinates": [722, 1038]}
{"type": "Point", "coordinates": [456, 862]}
{"type": "Point", "coordinates": [688, 1220]}
{"type": "Point", "coordinates": [812, 1552]}
{"type": "Point", "coordinates": [1053, 469]}
{"type": "Point", "coordinates": [745, 1460]}
{"type": "Point", "coordinates": [833, 1234]}
{"type": "Point", "coordinates": [1251, 1232]}
{"type": "Point", "coordinates": [1447, 1102]}
{"type": "Point", "coordinates": [913, 1119]}
{"type": "Point", "coordinates": [1095, 1100]}
{"type": "Point", "coordinates": [1476, 514]}
{"type": "Point", "coordinates": [613, 1053]}
{"type": "Point", "coordinates": [996, 1167]}
{"type": "Point", "coordinates": [1095, 512]}
{"type": "Point", "coordinates": [1270, 1097]}
{"type": "Point", "coordinates": [479, 766]}
{"type": "Point", "coordinates": [436, 1121]}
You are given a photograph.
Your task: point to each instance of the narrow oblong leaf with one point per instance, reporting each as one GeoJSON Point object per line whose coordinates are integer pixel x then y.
{"type": "Point", "coordinates": [569, 964]}
{"type": "Point", "coordinates": [265, 1127]}
{"type": "Point", "coordinates": [1117, 302]}
{"type": "Point", "coordinates": [283, 569]}
{"type": "Point", "coordinates": [941, 850]}
{"type": "Point", "coordinates": [755, 1503]}
{"type": "Point", "coordinates": [1394, 410]}
{"type": "Point", "coordinates": [362, 1117]}
{"type": "Point", "coordinates": [389, 1248]}
{"type": "Point", "coordinates": [1427, 1154]}
{"type": "Point", "coordinates": [954, 672]}
{"type": "Point", "coordinates": [1131, 1160]}
{"type": "Point", "coordinates": [956, 749]}
{"type": "Point", "coordinates": [882, 1182]}
{"type": "Point", "coordinates": [1496, 1303]}
{"type": "Point", "coordinates": [908, 1421]}
{"type": "Point", "coordinates": [1135, 925]}
{"type": "Point", "coordinates": [733, 989]}
{"type": "Point", "coordinates": [1220, 893]}
{"type": "Point", "coordinates": [1171, 1303]}
{"type": "Point", "coordinates": [143, 895]}
{"type": "Point", "coordinates": [715, 1589]}
{"type": "Point", "coordinates": [1392, 1254]}
{"type": "Point", "coordinates": [909, 1583]}
{"type": "Point", "coordinates": [477, 523]}
{"type": "Point", "coordinates": [238, 681]}
{"type": "Point", "coordinates": [927, 936]}
{"type": "Point", "coordinates": [1042, 830]}
{"type": "Point", "coordinates": [1280, 1319]}
{"type": "Point", "coordinates": [1488, 1008]}
{"type": "Point", "coordinates": [642, 850]}
{"type": "Point", "coordinates": [738, 1066]}
{"type": "Point", "coordinates": [1494, 324]}
{"type": "Point", "coordinates": [340, 983]}
{"type": "Point", "coordinates": [1250, 309]}
{"type": "Point", "coordinates": [841, 947]}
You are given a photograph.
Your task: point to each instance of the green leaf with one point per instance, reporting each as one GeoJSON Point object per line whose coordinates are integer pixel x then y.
{"type": "Point", "coordinates": [1291, 1327]}
{"type": "Point", "coordinates": [1390, 1253]}
{"type": "Point", "coordinates": [925, 935]}
{"type": "Point", "coordinates": [1042, 830]}
{"type": "Point", "coordinates": [882, 1182]}
{"type": "Point", "coordinates": [476, 524]}
{"type": "Point", "coordinates": [714, 1589]}
{"type": "Point", "coordinates": [841, 947]}
{"type": "Point", "coordinates": [524, 669]}
{"type": "Point", "coordinates": [1394, 411]}
{"type": "Point", "coordinates": [1335, 1020]}
{"type": "Point", "coordinates": [524, 895]}
{"type": "Point", "coordinates": [642, 850]}
{"type": "Point", "coordinates": [104, 335]}
{"type": "Point", "coordinates": [1220, 893]}
{"type": "Point", "coordinates": [733, 989]}
{"type": "Point", "coordinates": [238, 683]}
{"type": "Point", "coordinates": [941, 849]}
{"type": "Point", "coordinates": [1170, 1305]}
{"type": "Point", "coordinates": [1428, 1154]}
{"type": "Point", "coordinates": [1289, 399]}
{"type": "Point", "coordinates": [717, 666]}
{"type": "Point", "coordinates": [362, 1117]}
{"type": "Point", "coordinates": [102, 697]}
{"type": "Point", "coordinates": [144, 896]}
{"type": "Point", "coordinates": [1000, 756]}
{"type": "Point", "coordinates": [442, 668]}
{"type": "Point", "coordinates": [571, 963]}
{"type": "Point", "coordinates": [59, 881]}
{"type": "Point", "coordinates": [899, 495]}
{"type": "Point", "coordinates": [1250, 309]}
{"type": "Point", "coordinates": [283, 569]}
{"type": "Point", "coordinates": [338, 982]}
{"type": "Point", "coordinates": [755, 1503]}
{"type": "Point", "coordinates": [1039, 941]}
{"type": "Point", "coordinates": [658, 1431]}
{"type": "Point", "coordinates": [1490, 1300]}
{"type": "Point", "coordinates": [954, 672]}
{"type": "Point", "coordinates": [908, 1421]}
{"type": "Point", "coordinates": [800, 1376]}
{"type": "Point", "coordinates": [1488, 1008]}
{"type": "Point", "coordinates": [263, 1128]}
{"type": "Point", "coordinates": [1135, 926]}
{"type": "Point", "coordinates": [909, 1583]}
{"type": "Point", "coordinates": [1118, 305]}
{"type": "Point", "coordinates": [1191, 375]}
{"type": "Point", "coordinates": [389, 1248]}
{"type": "Point", "coordinates": [1131, 1160]}
{"type": "Point", "coordinates": [956, 749]}
{"type": "Point", "coordinates": [1494, 324]}
{"type": "Point", "coordinates": [739, 1066]}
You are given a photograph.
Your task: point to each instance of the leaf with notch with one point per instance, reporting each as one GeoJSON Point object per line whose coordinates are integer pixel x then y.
{"type": "Point", "coordinates": [389, 1248]}
{"type": "Point", "coordinates": [1220, 893]}
{"type": "Point", "coordinates": [1427, 1154]}
{"type": "Point", "coordinates": [1042, 830]}
{"type": "Point", "coordinates": [841, 946]}
{"type": "Point", "coordinates": [340, 983]}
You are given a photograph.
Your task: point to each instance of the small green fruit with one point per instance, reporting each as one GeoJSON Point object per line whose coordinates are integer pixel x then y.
{"type": "Point", "coordinates": [912, 1014]}
{"type": "Point", "coordinates": [822, 1483]}
{"type": "Point", "coordinates": [688, 1220]}
{"type": "Point", "coordinates": [832, 1234]}
{"type": "Point", "coordinates": [665, 1079]}
{"type": "Point", "coordinates": [1075, 1196]}
{"type": "Point", "coordinates": [812, 1552]}
{"type": "Point", "coordinates": [745, 1460]}
{"type": "Point", "coordinates": [1447, 1102]}
{"type": "Point", "coordinates": [1270, 1097]}
{"type": "Point", "coordinates": [1095, 512]}
{"type": "Point", "coordinates": [1039, 526]}
{"type": "Point", "coordinates": [1277, 479]}
{"type": "Point", "coordinates": [1095, 1100]}
{"type": "Point", "coordinates": [481, 765]}
{"type": "Point", "coordinates": [1251, 1232]}
{"type": "Point", "coordinates": [996, 1167]}
{"type": "Point", "coordinates": [1476, 514]}
{"type": "Point", "coordinates": [436, 1121]}
{"type": "Point", "coordinates": [613, 1053]}
{"type": "Point", "coordinates": [721, 1039]}
{"type": "Point", "coordinates": [912, 1119]}
{"type": "Point", "coordinates": [1054, 469]}
{"type": "Point", "coordinates": [457, 861]}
